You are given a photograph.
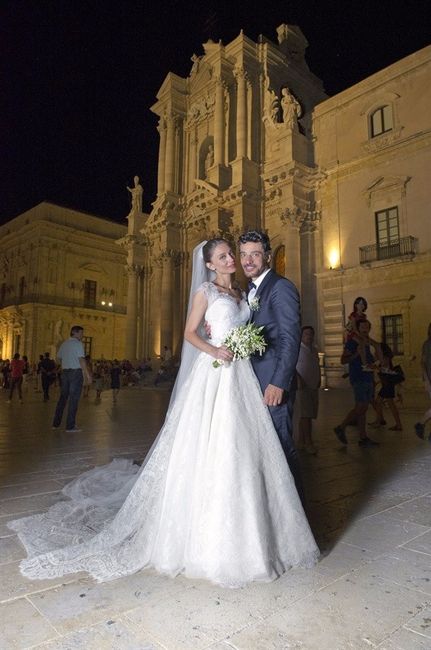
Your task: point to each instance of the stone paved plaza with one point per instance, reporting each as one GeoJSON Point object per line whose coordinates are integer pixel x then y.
{"type": "Point", "coordinates": [370, 510]}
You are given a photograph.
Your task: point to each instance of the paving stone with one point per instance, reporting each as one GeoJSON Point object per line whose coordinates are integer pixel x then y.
{"type": "Point", "coordinates": [352, 613]}
{"type": "Point", "coordinates": [78, 604]}
{"type": "Point", "coordinates": [416, 510]}
{"type": "Point", "coordinates": [403, 567]}
{"type": "Point", "coordinates": [13, 584]}
{"type": "Point", "coordinates": [10, 550]}
{"type": "Point", "coordinates": [379, 533]}
{"type": "Point", "coordinates": [112, 634]}
{"type": "Point", "coordinates": [421, 544]}
{"type": "Point", "coordinates": [22, 626]}
{"type": "Point", "coordinates": [30, 488]}
{"type": "Point", "coordinates": [404, 639]}
{"type": "Point", "coordinates": [421, 623]}
{"type": "Point", "coordinates": [193, 618]}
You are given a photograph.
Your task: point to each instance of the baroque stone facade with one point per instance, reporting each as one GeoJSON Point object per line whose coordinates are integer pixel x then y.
{"type": "Point", "coordinates": [249, 139]}
{"type": "Point", "coordinates": [58, 268]}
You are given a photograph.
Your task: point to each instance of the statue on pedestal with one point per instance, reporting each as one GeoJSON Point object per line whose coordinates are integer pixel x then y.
{"type": "Point", "coordinates": [136, 193]}
{"type": "Point", "coordinates": [291, 108]}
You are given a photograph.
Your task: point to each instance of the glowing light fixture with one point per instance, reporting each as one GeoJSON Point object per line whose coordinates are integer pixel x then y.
{"type": "Point", "coordinates": [334, 258]}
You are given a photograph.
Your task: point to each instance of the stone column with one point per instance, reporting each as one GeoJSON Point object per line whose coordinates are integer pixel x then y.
{"type": "Point", "coordinates": [166, 322]}
{"type": "Point", "coordinates": [177, 158]}
{"type": "Point", "coordinates": [292, 219]}
{"type": "Point", "coordinates": [219, 124]}
{"type": "Point", "coordinates": [170, 154]}
{"type": "Point", "coordinates": [132, 311]}
{"type": "Point", "coordinates": [162, 155]}
{"type": "Point", "coordinates": [192, 158]}
{"type": "Point", "coordinates": [309, 238]}
{"type": "Point", "coordinates": [241, 113]}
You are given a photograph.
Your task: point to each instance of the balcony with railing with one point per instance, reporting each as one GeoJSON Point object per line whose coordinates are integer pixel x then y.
{"type": "Point", "coordinates": [46, 299]}
{"type": "Point", "coordinates": [405, 247]}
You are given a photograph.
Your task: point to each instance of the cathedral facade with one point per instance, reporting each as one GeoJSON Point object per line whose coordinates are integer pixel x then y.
{"type": "Point", "coordinates": [250, 140]}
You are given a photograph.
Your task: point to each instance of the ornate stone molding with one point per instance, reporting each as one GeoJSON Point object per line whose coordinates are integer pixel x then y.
{"type": "Point", "coordinates": [201, 110]}
{"type": "Point", "coordinates": [134, 269]}
{"type": "Point", "coordinates": [311, 222]}
{"type": "Point", "coordinates": [382, 141]}
{"type": "Point", "coordinates": [293, 217]}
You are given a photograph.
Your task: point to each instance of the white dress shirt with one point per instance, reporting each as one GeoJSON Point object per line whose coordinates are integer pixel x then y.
{"type": "Point", "coordinates": [256, 282]}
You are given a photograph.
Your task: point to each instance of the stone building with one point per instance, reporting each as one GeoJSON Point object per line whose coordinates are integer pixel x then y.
{"type": "Point", "coordinates": [249, 139]}
{"type": "Point", "coordinates": [60, 267]}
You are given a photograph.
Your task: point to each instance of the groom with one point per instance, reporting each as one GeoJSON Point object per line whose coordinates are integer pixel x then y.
{"type": "Point", "coordinates": [274, 302]}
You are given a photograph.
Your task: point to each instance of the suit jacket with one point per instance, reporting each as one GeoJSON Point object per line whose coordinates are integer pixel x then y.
{"type": "Point", "coordinates": [279, 313]}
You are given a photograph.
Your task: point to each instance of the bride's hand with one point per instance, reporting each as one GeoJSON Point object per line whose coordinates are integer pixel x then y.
{"type": "Point", "coordinates": [222, 354]}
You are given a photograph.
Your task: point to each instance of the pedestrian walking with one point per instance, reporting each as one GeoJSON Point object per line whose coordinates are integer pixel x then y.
{"type": "Point", "coordinates": [74, 369]}
{"type": "Point", "coordinates": [17, 366]}
{"type": "Point", "coordinates": [115, 379]}
{"type": "Point", "coordinates": [362, 381]}
{"type": "Point", "coordinates": [47, 372]}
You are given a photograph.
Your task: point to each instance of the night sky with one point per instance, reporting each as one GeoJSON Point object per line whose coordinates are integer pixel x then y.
{"type": "Point", "coordinates": [78, 79]}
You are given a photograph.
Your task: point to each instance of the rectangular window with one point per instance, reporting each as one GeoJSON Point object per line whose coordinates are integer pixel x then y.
{"type": "Point", "coordinates": [2, 293]}
{"type": "Point", "coordinates": [21, 287]}
{"type": "Point", "coordinates": [87, 342]}
{"type": "Point", "coordinates": [90, 290]}
{"type": "Point", "coordinates": [393, 334]}
{"type": "Point", "coordinates": [381, 121]}
{"type": "Point", "coordinates": [387, 233]}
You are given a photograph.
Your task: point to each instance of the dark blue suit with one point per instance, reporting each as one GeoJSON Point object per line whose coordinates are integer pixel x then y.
{"type": "Point", "coordinates": [279, 313]}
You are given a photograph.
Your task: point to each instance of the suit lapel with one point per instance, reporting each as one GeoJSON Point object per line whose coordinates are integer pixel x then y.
{"type": "Point", "coordinates": [261, 288]}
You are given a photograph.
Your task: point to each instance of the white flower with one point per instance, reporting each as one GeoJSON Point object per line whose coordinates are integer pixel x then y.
{"type": "Point", "coordinates": [244, 341]}
{"type": "Point", "coordinates": [254, 304]}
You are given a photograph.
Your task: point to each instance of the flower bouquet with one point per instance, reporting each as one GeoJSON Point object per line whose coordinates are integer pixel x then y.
{"type": "Point", "coordinates": [243, 341]}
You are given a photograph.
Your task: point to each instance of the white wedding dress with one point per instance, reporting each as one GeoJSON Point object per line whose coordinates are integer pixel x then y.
{"type": "Point", "coordinates": [215, 500]}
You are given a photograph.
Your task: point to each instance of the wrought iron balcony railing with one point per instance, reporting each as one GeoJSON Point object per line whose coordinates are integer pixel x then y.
{"type": "Point", "coordinates": [404, 247]}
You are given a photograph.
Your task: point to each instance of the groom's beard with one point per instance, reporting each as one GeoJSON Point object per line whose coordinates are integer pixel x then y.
{"type": "Point", "coordinates": [254, 272]}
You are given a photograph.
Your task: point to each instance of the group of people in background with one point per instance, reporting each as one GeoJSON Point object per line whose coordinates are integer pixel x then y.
{"type": "Point", "coordinates": [371, 372]}
{"type": "Point", "coordinates": [373, 377]}
{"type": "Point", "coordinates": [46, 373]}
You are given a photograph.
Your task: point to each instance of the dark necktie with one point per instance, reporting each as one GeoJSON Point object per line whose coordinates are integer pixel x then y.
{"type": "Point", "coordinates": [251, 285]}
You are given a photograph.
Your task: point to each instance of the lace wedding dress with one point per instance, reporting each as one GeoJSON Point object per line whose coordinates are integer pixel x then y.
{"type": "Point", "coordinates": [215, 500]}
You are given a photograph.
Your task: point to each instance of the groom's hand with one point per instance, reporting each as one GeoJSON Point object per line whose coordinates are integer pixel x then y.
{"type": "Point", "coordinates": [273, 395]}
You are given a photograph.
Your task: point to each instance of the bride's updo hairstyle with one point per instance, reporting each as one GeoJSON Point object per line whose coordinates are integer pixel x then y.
{"type": "Point", "coordinates": [208, 248]}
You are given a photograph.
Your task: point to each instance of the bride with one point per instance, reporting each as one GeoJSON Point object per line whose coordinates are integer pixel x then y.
{"type": "Point", "coordinates": [214, 499]}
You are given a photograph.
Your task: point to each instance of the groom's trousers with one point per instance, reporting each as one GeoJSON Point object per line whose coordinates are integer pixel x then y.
{"type": "Point", "coordinates": [282, 417]}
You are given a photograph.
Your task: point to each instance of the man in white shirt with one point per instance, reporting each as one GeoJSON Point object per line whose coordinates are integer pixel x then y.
{"type": "Point", "coordinates": [74, 369]}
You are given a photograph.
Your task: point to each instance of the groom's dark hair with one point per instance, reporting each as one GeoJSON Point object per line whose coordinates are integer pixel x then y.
{"type": "Point", "coordinates": [256, 236]}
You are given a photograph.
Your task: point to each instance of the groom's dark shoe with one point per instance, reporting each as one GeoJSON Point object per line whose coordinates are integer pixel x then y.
{"type": "Point", "coordinates": [339, 432]}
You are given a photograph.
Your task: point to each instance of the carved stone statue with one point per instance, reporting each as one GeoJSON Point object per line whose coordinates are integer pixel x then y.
{"type": "Point", "coordinates": [136, 193]}
{"type": "Point", "coordinates": [209, 160]}
{"type": "Point", "coordinates": [291, 108]}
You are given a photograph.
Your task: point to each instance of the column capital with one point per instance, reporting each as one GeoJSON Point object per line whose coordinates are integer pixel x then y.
{"type": "Point", "coordinates": [161, 127]}
{"type": "Point", "coordinates": [134, 270]}
{"type": "Point", "coordinates": [293, 217]}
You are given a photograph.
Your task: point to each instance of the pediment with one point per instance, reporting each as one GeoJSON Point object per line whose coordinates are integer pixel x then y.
{"type": "Point", "coordinates": [381, 100]}
{"type": "Point", "coordinates": [200, 79]}
{"type": "Point", "coordinates": [383, 183]}
{"type": "Point", "coordinates": [94, 268]}
{"type": "Point", "coordinates": [386, 185]}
